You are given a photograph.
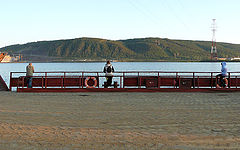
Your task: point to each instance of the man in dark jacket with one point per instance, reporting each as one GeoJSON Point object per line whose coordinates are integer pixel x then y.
{"type": "Point", "coordinates": [108, 70]}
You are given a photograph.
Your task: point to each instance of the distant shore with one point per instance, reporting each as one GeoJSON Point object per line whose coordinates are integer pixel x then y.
{"type": "Point", "coordinates": [92, 61]}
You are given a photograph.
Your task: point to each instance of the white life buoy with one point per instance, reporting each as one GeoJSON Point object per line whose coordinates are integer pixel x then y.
{"type": "Point", "coordinates": [91, 86]}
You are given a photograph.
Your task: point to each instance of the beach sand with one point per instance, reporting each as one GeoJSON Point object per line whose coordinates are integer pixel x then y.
{"type": "Point", "coordinates": [119, 121]}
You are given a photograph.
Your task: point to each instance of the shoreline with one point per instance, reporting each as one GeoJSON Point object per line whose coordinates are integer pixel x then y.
{"type": "Point", "coordinates": [120, 61]}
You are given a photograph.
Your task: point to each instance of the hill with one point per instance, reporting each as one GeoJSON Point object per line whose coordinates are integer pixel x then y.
{"type": "Point", "coordinates": [143, 49]}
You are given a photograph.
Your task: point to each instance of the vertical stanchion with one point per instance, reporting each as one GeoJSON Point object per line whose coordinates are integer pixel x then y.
{"type": "Point", "coordinates": [123, 78]}
{"type": "Point", "coordinates": [62, 81]}
{"type": "Point", "coordinates": [98, 80]}
{"type": "Point", "coordinates": [45, 79]}
{"type": "Point", "coordinates": [177, 79]}
{"type": "Point", "coordinates": [198, 81]}
{"type": "Point", "coordinates": [22, 78]}
{"type": "Point", "coordinates": [121, 81]}
{"type": "Point", "coordinates": [193, 80]}
{"type": "Point", "coordinates": [216, 82]}
{"type": "Point", "coordinates": [139, 81]}
{"type": "Point", "coordinates": [211, 80]}
{"type": "Point", "coordinates": [64, 76]}
{"type": "Point", "coordinates": [229, 80]}
{"type": "Point", "coordinates": [236, 81]}
{"type": "Point", "coordinates": [42, 82]}
{"type": "Point", "coordinates": [10, 83]}
{"type": "Point", "coordinates": [82, 79]}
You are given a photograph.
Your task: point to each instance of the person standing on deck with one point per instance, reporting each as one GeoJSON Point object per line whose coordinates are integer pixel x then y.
{"type": "Point", "coordinates": [223, 75]}
{"type": "Point", "coordinates": [29, 74]}
{"type": "Point", "coordinates": [108, 70]}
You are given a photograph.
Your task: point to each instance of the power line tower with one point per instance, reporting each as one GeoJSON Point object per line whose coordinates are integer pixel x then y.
{"type": "Point", "coordinates": [214, 45]}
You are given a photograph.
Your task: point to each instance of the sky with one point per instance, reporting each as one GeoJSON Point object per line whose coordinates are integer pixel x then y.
{"type": "Point", "coordinates": [23, 21]}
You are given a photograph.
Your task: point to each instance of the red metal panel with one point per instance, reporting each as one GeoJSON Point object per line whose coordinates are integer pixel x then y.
{"type": "Point", "coordinates": [185, 83]}
{"type": "Point", "coordinates": [60, 82]}
{"type": "Point", "coordinates": [74, 81]}
{"type": "Point", "coordinates": [53, 82]}
{"type": "Point", "coordinates": [13, 82]}
{"type": "Point", "coordinates": [37, 82]}
{"type": "Point", "coordinates": [167, 81]}
{"type": "Point", "coordinates": [234, 82]}
{"type": "Point", "coordinates": [205, 82]}
{"type": "Point", "coordinates": [145, 78]}
{"type": "Point", "coordinates": [130, 81]}
{"type": "Point", "coordinates": [133, 81]}
{"type": "Point", "coordinates": [151, 83]}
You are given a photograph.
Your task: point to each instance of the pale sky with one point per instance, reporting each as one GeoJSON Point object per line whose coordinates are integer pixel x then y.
{"type": "Point", "coordinates": [24, 21]}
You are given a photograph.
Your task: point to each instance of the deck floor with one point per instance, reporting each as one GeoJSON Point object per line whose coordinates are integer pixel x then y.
{"type": "Point", "coordinates": [120, 120]}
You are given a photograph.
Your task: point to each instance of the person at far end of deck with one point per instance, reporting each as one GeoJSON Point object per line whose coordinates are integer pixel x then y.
{"type": "Point", "coordinates": [108, 70]}
{"type": "Point", "coordinates": [29, 74]}
{"type": "Point", "coordinates": [223, 80]}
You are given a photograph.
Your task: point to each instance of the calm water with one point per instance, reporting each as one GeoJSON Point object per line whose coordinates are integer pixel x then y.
{"type": "Point", "coordinates": [6, 68]}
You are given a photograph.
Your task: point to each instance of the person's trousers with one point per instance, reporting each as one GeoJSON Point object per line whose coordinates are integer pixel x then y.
{"type": "Point", "coordinates": [29, 82]}
{"type": "Point", "coordinates": [109, 80]}
{"type": "Point", "coordinates": [221, 81]}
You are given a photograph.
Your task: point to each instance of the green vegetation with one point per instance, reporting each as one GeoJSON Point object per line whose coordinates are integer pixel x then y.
{"type": "Point", "coordinates": [144, 49]}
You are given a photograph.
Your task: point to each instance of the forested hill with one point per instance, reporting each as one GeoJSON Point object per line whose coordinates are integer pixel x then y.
{"type": "Point", "coordinates": [152, 49]}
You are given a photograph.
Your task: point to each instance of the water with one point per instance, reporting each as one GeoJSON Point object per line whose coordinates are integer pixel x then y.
{"type": "Point", "coordinates": [6, 68]}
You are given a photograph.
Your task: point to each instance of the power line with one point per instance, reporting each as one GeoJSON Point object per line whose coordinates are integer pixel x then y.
{"type": "Point", "coordinates": [143, 11]}
{"type": "Point", "coordinates": [173, 12]}
{"type": "Point", "coordinates": [148, 13]}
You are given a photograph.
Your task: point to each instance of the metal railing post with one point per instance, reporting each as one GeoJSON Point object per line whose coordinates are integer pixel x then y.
{"type": "Point", "coordinates": [45, 79]}
{"type": "Point", "coordinates": [98, 79]}
{"type": "Point", "coordinates": [193, 80]}
{"type": "Point", "coordinates": [229, 80]}
{"type": "Point", "coordinates": [82, 79]}
{"type": "Point", "coordinates": [211, 80]}
{"type": "Point", "coordinates": [123, 79]}
{"type": "Point", "coordinates": [10, 82]}
{"type": "Point", "coordinates": [139, 81]}
{"type": "Point", "coordinates": [177, 79]}
{"type": "Point", "coordinates": [42, 82]}
{"type": "Point", "coordinates": [236, 81]}
{"type": "Point", "coordinates": [64, 76]}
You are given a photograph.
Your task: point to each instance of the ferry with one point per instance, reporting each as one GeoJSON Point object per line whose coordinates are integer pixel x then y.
{"type": "Point", "coordinates": [132, 81]}
{"type": "Point", "coordinates": [5, 58]}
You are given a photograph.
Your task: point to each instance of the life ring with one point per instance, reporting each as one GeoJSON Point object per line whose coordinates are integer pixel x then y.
{"type": "Point", "coordinates": [94, 84]}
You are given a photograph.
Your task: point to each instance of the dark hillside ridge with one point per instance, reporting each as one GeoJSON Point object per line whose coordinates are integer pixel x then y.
{"type": "Point", "coordinates": [146, 49]}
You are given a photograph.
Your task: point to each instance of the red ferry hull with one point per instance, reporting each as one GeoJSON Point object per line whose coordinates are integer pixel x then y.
{"type": "Point", "coordinates": [151, 81]}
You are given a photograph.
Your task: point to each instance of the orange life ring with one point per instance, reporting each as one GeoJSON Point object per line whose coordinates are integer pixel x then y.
{"type": "Point", "coordinates": [94, 80]}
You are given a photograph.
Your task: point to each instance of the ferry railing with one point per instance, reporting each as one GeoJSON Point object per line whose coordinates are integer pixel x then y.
{"type": "Point", "coordinates": [140, 75]}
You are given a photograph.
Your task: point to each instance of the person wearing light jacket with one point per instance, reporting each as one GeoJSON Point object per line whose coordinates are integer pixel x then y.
{"type": "Point", "coordinates": [108, 70]}
{"type": "Point", "coordinates": [223, 75]}
{"type": "Point", "coordinates": [29, 74]}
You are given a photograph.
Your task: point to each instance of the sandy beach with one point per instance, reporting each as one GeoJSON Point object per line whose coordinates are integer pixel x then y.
{"type": "Point", "coordinates": [119, 121]}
